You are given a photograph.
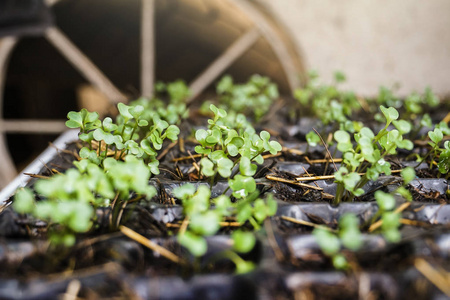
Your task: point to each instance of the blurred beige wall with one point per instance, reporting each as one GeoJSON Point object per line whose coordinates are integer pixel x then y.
{"type": "Point", "coordinates": [374, 42]}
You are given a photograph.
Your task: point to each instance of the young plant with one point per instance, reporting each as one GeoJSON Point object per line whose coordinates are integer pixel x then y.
{"type": "Point", "coordinates": [223, 147]}
{"type": "Point", "coordinates": [348, 235]}
{"type": "Point", "coordinates": [175, 111]}
{"type": "Point", "coordinates": [387, 204]}
{"type": "Point", "coordinates": [327, 102]}
{"type": "Point", "coordinates": [205, 214]}
{"type": "Point", "coordinates": [253, 98]}
{"type": "Point", "coordinates": [70, 199]}
{"type": "Point", "coordinates": [368, 155]}
{"type": "Point", "coordinates": [441, 155]}
{"type": "Point", "coordinates": [131, 134]}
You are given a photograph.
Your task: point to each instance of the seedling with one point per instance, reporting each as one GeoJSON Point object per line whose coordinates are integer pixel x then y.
{"type": "Point", "coordinates": [253, 98]}
{"type": "Point", "coordinates": [131, 134]}
{"type": "Point", "coordinates": [368, 155]}
{"type": "Point", "coordinates": [205, 214]}
{"type": "Point", "coordinates": [224, 147]}
{"type": "Point", "coordinates": [70, 199]}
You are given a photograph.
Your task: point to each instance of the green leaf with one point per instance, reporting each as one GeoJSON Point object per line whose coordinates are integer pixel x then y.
{"type": "Point", "coordinates": [207, 167]}
{"type": "Point", "coordinates": [205, 224]}
{"type": "Point", "coordinates": [172, 132]}
{"type": "Point", "coordinates": [385, 201]}
{"type": "Point", "coordinates": [342, 137]}
{"type": "Point", "coordinates": [243, 241]}
{"type": "Point", "coordinates": [390, 114]}
{"type": "Point", "coordinates": [436, 136]}
{"type": "Point", "coordinates": [312, 138]}
{"type": "Point", "coordinates": [243, 267]}
{"type": "Point", "coordinates": [408, 174]}
{"type": "Point", "coordinates": [184, 191]}
{"type": "Point", "coordinates": [242, 185]}
{"type": "Point", "coordinates": [246, 167]}
{"type": "Point", "coordinates": [340, 262]}
{"type": "Point", "coordinates": [124, 111]}
{"type": "Point", "coordinates": [194, 243]}
{"type": "Point", "coordinates": [75, 120]}
{"type": "Point", "coordinates": [328, 242]}
{"type": "Point", "coordinates": [244, 213]}
{"type": "Point", "coordinates": [403, 126]}
{"type": "Point", "coordinates": [23, 201]}
{"type": "Point", "coordinates": [224, 167]}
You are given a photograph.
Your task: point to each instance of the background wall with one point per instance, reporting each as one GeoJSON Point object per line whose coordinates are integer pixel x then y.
{"type": "Point", "coordinates": [374, 42]}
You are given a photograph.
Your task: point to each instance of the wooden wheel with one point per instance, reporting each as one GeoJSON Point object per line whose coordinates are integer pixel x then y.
{"type": "Point", "coordinates": [233, 36]}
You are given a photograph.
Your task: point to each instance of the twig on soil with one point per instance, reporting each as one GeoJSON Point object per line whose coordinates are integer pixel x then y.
{"type": "Point", "coordinates": [181, 144]}
{"type": "Point", "coordinates": [378, 223]}
{"type": "Point", "coordinates": [325, 160]}
{"type": "Point", "coordinates": [37, 176]}
{"type": "Point", "coordinates": [293, 151]}
{"type": "Point", "coordinates": [184, 225]}
{"type": "Point", "coordinates": [165, 151]}
{"type": "Point", "coordinates": [331, 176]}
{"type": "Point", "coordinates": [195, 163]}
{"type": "Point", "coordinates": [439, 278]}
{"type": "Point", "coordinates": [151, 245]}
{"type": "Point", "coordinates": [192, 156]}
{"type": "Point", "coordinates": [294, 182]}
{"type": "Point", "coordinates": [73, 288]}
{"type": "Point", "coordinates": [222, 224]}
{"type": "Point", "coordinates": [272, 241]}
{"type": "Point", "coordinates": [413, 223]}
{"type": "Point", "coordinates": [326, 148]}
{"type": "Point", "coordinates": [272, 155]}
{"type": "Point", "coordinates": [306, 223]}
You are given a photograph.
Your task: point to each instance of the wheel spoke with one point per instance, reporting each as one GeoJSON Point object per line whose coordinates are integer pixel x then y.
{"type": "Point", "coordinates": [32, 126]}
{"type": "Point", "coordinates": [147, 47]}
{"type": "Point", "coordinates": [226, 59]}
{"type": "Point", "coordinates": [8, 170]}
{"type": "Point", "coordinates": [83, 64]}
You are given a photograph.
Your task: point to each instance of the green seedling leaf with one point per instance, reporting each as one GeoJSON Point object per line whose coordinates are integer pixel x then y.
{"type": "Point", "coordinates": [75, 120]}
{"type": "Point", "coordinates": [124, 111]}
{"type": "Point", "coordinates": [184, 191]}
{"type": "Point", "coordinates": [147, 147]}
{"type": "Point", "coordinates": [408, 174]}
{"type": "Point", "coordinates": [218, 112]}
{"type": "Point", "coordinates": [243, 267]}
{"type": "Point", "coordinates": [426, 121]}
{"type": "Point", "coordinates": [436, 136]}
{"type": "Point", "coordinates": [385, 201]}
{"type": "Point", "coordinates": [23, 201]}
{"type": "Point", "coordinates": [402, 126]}
{"type": "Point", "coordinates": [205, 224]}
{"type": "Point", "coordinates": [402, 191]}
{"type": "Point", "coordinates": [342, 136]}
{"type": "Point", "coordinates": [243, 241]}
{"type": "Point", "coordinates": [246, 167]}
{"type": "Point", "coordinates": [328, 242]}
{"type": "Point", "coordinates": [172, 132]}
{"type": "Point", "coordinates": [244, 213]}
{"type": "Point", "coordinates": [242, 186]}
{"type": "Point", "coordinates": [312, 138]}
{"type": "Point", "coordinates": [390, 114]}
{"type": "Point", "coordinates": [224, 167]}
{"type": "Point", "coordinates": [207, 167]}
{"type": "Point", "coordinates": [153, 165]}
{"type": "Point", "coordinates": [340, 262]}
{"type": "Point", "coordinates": [225, 84]}
{"type": "Point", "coordinates": [194, 243]}
{"type": "Point", "coordinates": [349, 231]}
